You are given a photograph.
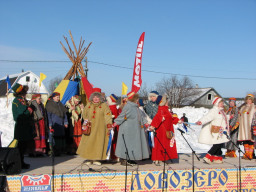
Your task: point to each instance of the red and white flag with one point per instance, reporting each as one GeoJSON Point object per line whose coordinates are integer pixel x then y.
{"type": "Point", "coordinates": [136, 79]}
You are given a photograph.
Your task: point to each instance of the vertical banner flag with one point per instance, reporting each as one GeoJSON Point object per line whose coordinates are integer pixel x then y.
{"type": "Point", "coordinates": [124, 89]}
{"type": "Point", "coordinates": [8, 82]}
{"type": "Point", "coordinates": [42, 77]}
{"type": "Point", "coordinates": [136, 79]}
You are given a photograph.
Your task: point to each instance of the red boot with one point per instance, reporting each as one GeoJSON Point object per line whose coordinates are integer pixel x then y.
{"type": "Point", "coordinates": [217, 159]}
{"type": "Point", "coordinates": [208, 158]}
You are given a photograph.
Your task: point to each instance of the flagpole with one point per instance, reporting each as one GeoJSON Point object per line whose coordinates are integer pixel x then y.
{"type": "Point", "coordinates": [7, 94]}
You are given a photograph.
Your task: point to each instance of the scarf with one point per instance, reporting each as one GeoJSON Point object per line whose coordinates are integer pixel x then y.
{"type": "Point", "coordinates": [75, 112]}
{"type": "Point", "coordinates": [56, 108]}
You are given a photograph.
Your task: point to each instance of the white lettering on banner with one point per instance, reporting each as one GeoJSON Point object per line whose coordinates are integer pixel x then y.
{"type": "Point", "coordinates": [138, 62]}
{"type": "Point", "coordinates": [136, 81]}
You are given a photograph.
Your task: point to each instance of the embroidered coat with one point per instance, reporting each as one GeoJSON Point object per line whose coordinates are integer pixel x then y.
{"type": "Point", "coordinates": [217, 117]}
{"type": "Point", "coordinates": [23, 129]}
{"type": "Point", "coordinates": [233, 117]}
{"type": "Point", "coordinates": [245, 122]}
{"type": "Point", "coordinates": [40, 120]}
{"type": "Point", "coordinates": [132, 129]}
{"type": "Point", "coordinates": [94, 146]}
{"type": "Point", "coordinates": [161, 127]}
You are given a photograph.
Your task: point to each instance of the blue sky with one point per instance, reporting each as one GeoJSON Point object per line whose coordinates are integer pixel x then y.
{"type": "Point", "coordinates": [195, 38]}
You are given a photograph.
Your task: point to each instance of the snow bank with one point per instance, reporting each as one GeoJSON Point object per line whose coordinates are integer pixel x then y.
{"type": "Point", "coordinates": [6, 121]}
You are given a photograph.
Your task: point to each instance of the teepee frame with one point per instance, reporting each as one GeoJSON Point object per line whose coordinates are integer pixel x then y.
{"type": "Point", "coordinates": [76, 58]}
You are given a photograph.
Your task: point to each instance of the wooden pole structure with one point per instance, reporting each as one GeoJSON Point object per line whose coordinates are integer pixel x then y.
{"type": "Point", "coordinates": [75, 57]}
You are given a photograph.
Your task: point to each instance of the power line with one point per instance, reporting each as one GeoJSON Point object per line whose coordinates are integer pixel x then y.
{"type": "Point", "coordinates": [123, 67]}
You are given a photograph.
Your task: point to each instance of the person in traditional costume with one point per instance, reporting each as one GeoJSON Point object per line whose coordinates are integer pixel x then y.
{"type": "Point", "coordinates": [151, 109]}
{"type": "Point", "coordinates": [214, 131]}
{"type": "Point", "coordinates": [74, 132]}
{"type": "Point", "coordinates": [246, 126]}
{"type": "Point", "coordinates": [40, 121]}
{"type": "Point", "coordinates": [22, 115]}
{"type": "Point", "coordinates": [98, 118]}
{"type": "Point", "coordinates": [143, 113]}
{"type": "Point", "coordinates": [232, 112]}
{"type": "Point", "coordinates": [131, 135]}
{"type": "Point", "coordinates": [111, 101]}
{"type": "Point", "coordinates": [162, 125]}
{"type": "Point", "coordinates": [58, 122]}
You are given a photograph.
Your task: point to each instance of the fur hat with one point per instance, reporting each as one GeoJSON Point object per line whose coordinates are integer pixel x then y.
{"type": "Point", "coordinates": [153, 94]}
{"type": "Point", "coordinates": [96, 94]}
{"type": "Point", "coordinates": [113, 97]}
{"type": "Point", "coordinates": [161, 100]}
{"type": "Point", "coordinates": [216, 101]}
{"type": "Point", "coordinates": [249, 96]}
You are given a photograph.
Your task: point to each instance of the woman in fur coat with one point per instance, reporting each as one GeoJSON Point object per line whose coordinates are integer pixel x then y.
{"type": "Point", "coordinates": [162, 124]}
{"type": "Point", "coordinates": [96, 115]}
{"type": "Point", "coordinates": [246, 125]}
{"type": "Point", "coordinates": [131, 135]}
{"type": "Point", "coordinates": [40, 120]}
{"type": "Point", "coordinates": [215, 126]}
{"type": "Point", "coordinates": [232, 112]}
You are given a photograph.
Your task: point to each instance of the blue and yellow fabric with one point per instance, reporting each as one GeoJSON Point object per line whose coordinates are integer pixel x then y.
{"type": "Point", "coordinates": [67, 89]}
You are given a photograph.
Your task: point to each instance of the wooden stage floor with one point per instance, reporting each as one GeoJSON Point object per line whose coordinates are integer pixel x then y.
{"type": "Point", "coordinates": [75, 164]}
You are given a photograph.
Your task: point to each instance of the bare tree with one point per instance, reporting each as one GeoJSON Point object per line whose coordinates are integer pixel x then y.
{"type": "Point", "coordinates": [177, 90]}
{"type": "Point", "coordinates": [53, 82]}
{"type": "Point", "coordinates": [144, 90]}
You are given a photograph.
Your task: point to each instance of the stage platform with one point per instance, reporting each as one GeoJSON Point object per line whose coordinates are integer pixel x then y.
{"type": "Point", "coordinates": [72, 174]}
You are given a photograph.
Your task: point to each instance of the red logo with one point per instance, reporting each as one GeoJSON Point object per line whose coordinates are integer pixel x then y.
{"type": "Point", "coordinates": [40, 183]}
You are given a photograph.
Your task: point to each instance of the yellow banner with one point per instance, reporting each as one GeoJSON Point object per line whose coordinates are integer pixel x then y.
{"type": "Point", "coordinates": [42, 77]}
{"type": "Point", "coordinates": [124, 89]}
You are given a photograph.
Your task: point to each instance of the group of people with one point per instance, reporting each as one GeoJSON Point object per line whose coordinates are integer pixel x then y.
{"type": "Point", "coordinates": [43, 129]}
{"type": "Point", "coordinates": [229, 129]}
{"type": "Point", "coordinates": [136, 130]}
{"type": "Point", "coordinates": [131, 126]}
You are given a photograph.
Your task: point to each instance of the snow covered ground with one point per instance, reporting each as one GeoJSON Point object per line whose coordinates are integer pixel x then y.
{"type": "Point", "coordinates": [193, 114]}
{"type": "Point", "coordinates": [6, 121]}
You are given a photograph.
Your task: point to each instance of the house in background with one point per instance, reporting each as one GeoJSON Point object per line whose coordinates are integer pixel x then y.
{"type": "Point", "coordinates": [25, 78]}
{"type": "Point", "coordinates": [202, 98]}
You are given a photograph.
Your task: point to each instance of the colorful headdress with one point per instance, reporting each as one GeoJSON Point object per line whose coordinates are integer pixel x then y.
{"type": "Point", "coordinates": [34, 96]}
{"type": "Point", "coordinates": [17, 88]}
